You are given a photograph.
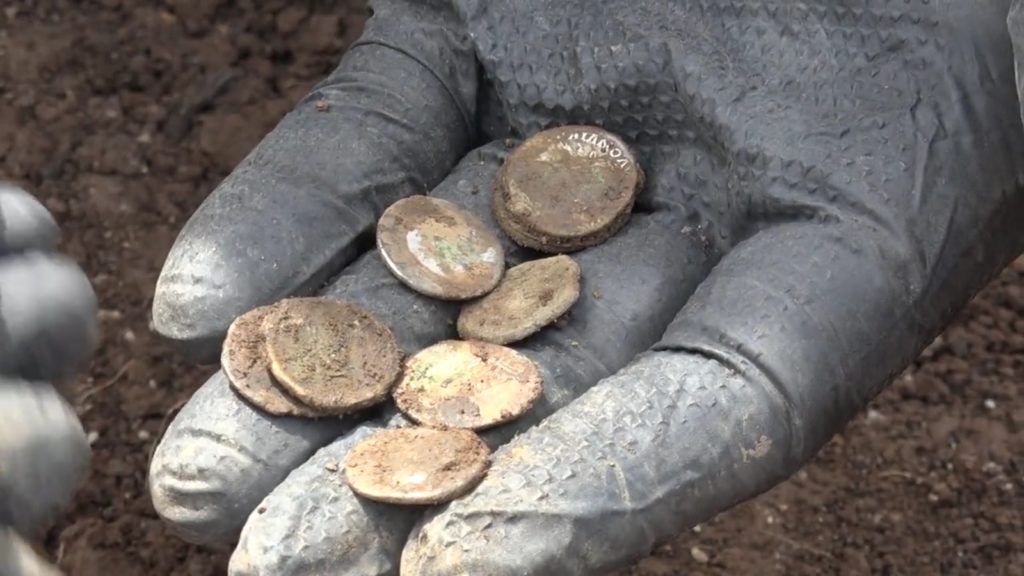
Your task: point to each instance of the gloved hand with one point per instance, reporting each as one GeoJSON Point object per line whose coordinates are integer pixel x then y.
{"type": "Point", "coordinates": [828, 184]}
{"type": "Point", "coordinates": [47, 329]}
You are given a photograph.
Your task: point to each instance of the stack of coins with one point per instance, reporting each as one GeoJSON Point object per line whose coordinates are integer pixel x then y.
{"type": "Point", "coordinates": [311, 357]}
{"type": "Point", "coordinates": [563, 190]}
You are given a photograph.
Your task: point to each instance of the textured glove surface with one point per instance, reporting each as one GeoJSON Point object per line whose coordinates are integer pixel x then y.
{"type": "Point", "coordinates": [47, 330]}
{"type": "Point", "coordinates": [828, 184]}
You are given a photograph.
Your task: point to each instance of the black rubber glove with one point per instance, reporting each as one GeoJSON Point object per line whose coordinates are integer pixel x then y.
{"type": "Point", "coordinates": [47, 329]}
{"type": "Point", "coordinates": [828, 184]}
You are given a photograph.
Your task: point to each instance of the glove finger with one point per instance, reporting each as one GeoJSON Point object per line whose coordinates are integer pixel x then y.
{"type": "Point", "coordinates": [221, 456]}
{"type": "Point", "coordinates": [18, 559]}
{"type": "Point", "coordinates": [25, 224]}
{"type": "Point", "coordinates": [392, 120]}
{"type": "Point", "coordinates": [48, 324]}
{"type": "Point", "coordinates": [632, 287]}
{"type": "Point", "coordinates": [44, 455]}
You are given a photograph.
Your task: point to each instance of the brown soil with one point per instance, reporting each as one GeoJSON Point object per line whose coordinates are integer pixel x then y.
{"type": "Point", "coordinates": [247, 366]}
{"type": "Point", "coordinates": [417, 465]}
{"type": "Point", "coordinates": [473, 385]}
{"type": "Point", "coordinates": [466, 259]}
{"type": "Point", "coordinates": [333, 356]}
{"type": "Point", "coordinates": [123, 115]}
{"type": "Point", "coordinates": [566, 188]}
{"type": "Point", "coordinates": [529, 297]}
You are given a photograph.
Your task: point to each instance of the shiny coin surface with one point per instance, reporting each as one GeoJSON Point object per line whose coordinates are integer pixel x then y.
{"type": "Point", "coordinates": [331, 355]}
{"type": "Point", "coordinates": [245, 362]}
{"type": "Point", "coordinates": [529, 297]}
{"type": "Point", "coordinates": [417, 465]}
{"type": "Point", "coordinates": [439, 249]}
{"type": "Point", "coordinates": [467, 384]}
{"type": "Point", "coordinates": [566, 188]}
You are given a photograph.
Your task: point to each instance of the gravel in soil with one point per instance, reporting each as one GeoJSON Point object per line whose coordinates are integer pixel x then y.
{"type": "Point", "coordinates": [122, 116]}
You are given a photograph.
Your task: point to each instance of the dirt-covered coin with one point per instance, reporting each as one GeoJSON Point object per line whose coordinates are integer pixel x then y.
{"type": "Point", "coordinates": [331, 355]}
{"type": "Point", "coordinates": [529, 297]}
{"type": "Point", "coordinates": [439, 249]}
{"type": "Point", "coordinates": [417, 465]}
{"type": "Point", "coordinates": [467, 384]}
{"type": "Point", "coordinates": [245, 362]}
{"type": "Point", "coordinates": [567, 188]}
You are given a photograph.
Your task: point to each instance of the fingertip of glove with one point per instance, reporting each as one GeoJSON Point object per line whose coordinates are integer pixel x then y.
{"type": "Point", "coordinates": [25, 224]}
{"type": "Point", "coordinates": [44, 454]}
{"type": "Point", "coordinates": [49, 311]}
{"type": "Point", "coordinates": [190, 494]}
{"type": "Point", "coordinates": [194, 302]}
{"type": "Point", "coordinates": [17, 558]}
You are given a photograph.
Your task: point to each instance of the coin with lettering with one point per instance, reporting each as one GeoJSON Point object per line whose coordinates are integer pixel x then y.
{"type": "Point", "coordinates": [467, 384]}
{"type": "Point", "coordinates": [416, 465]}
{"type": "Point", "coordinates": [439, 249]}
{"type": "Point", "coordinates": [244, 361]}
{"type": "Point", "coordinates": [331, 355]}
{"type": "Point", "coordinates": [529, 297]}
{"type": "Point", "coordinates": [567, 188]}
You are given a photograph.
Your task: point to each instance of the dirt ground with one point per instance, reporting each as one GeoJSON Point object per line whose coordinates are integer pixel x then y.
{"type": "Point", "coordinates": [123, 114]}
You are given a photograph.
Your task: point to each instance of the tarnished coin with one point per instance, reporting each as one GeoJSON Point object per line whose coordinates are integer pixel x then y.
{"type": "Point", "coordinates": [467, 384]}
{"type": "Point", "coordinates": [438, 249]}
{"type": "Point", "coordinates": [244, 360]}
{"type": "Point", "coordinates": [417, 465]}
{"type": "Point", "coordinates": [333, 356]}
{"type": "Point", "coordinates": [566, 188]}
{"type": "Point", "coordinates": [529, 297]}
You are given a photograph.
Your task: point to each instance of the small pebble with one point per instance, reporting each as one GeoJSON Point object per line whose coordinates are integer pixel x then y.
{"type": "Point", "coordinates": [699, 555]}
{"type": "Point", "coordinates": [129, 336]}
{"type": "Point", "coordinates": [991, 468]}
{"type": "Point", "coordinates": [106, 315]}
{"type": "Point", "coordinates": [990, 404]}
{"type": "Point", "coordinates": [144, 435]}
{"type": "Point", "coordinates": [92, 437]}
{"type": "Point", "coordinates": [331, 467]}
